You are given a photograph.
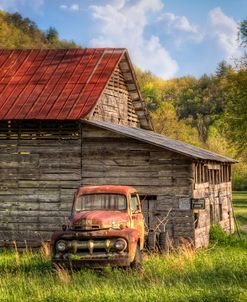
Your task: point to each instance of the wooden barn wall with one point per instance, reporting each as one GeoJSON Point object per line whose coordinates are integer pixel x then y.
{"type": "Point", "coordinates": [217, 193]}
{"type": "Point", "coordinates": [115, 105]}
{"type": "Point", "coordinates": [40, 168]}
{"type": "Point", "coordinates": [109, 158]}
{"type": "Point", "coordinates": [43, 163]}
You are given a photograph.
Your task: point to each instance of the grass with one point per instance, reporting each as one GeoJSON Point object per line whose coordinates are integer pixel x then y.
{"type": "Point", "coordinates": [240, 208]}
{"type": "Point", "coordinates": [217, 273]}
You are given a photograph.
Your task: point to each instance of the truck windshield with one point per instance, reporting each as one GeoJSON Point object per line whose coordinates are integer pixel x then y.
{"type": "Point", "coordinates": [111, 202]}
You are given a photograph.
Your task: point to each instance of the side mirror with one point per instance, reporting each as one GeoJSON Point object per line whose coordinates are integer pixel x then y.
{"type": "Point", "coordinates": [137, 211]}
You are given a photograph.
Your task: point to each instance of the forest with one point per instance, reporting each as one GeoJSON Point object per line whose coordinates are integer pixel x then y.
{"type": "Point", "coordinates": [209, 112]}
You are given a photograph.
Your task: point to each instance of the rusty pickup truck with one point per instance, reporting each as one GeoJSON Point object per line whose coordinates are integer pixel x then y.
{"type": "Point", "coordinates": [106, 228]}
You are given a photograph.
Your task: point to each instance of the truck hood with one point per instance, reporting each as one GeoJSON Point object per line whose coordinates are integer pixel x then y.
{"type": "Point", "coordinates": [93, 220]}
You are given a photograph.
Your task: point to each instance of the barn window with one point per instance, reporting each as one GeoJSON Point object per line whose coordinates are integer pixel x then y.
{"type": "Point", "coordinates": [214, 177]}
{"type": "Point", "coordinates": [201, 173]}
{"type": "Point", "coordinates": [225, 172]}
{"type": "Point", "coordinates": [38, 130]}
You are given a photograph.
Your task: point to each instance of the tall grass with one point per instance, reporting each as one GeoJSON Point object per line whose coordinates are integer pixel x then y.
{"type": "Point", "coordinates": [217, 273]}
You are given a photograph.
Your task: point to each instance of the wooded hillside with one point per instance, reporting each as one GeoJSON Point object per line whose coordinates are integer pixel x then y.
{"type": "Point", "coordinates": [19, 32]}
{"type": "Point", "coordinates": [210, 112]}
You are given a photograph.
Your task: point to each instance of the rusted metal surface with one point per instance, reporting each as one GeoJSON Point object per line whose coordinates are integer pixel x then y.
{"type": "Point", "coordinates": [125, 190]}
{"type": "Point", "coordinates": [84, 246]}
{"type": "Point", "coordinates": [99, 219]}
{"type": "Point", "coordinates": [54, 84]}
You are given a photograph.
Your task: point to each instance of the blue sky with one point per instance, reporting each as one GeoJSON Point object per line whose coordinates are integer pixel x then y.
{"type": "Point", "coordinates": [169, 37]}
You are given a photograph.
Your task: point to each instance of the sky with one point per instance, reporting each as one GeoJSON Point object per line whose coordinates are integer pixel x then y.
{"type": "Point", "coordinates": [171, 38]}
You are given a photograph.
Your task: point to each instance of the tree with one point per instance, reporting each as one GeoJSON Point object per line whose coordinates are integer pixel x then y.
{"type": "Point", "coordinates": [243, 33]}
{"type": "Point", "coordinates": [166, 122]}
{"type": "Point", "coordinates": [52, 35]}
{"type": "Point", "coordinates": [236, 112]}
{"type": "Point", "coordinates": [223, 69]}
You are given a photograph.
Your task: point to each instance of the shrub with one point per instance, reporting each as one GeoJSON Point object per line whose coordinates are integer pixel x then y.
{"type": "Point", "coordinates": [219, 237]}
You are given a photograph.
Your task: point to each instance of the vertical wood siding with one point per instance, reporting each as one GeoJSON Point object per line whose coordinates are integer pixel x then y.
{"type": "Point", "coordinates": [115, 105]}
{"type": "Point", "coordinates": [213, 183]}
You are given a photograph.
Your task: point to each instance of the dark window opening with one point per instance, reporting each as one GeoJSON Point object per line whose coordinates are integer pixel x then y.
{"type": "Point", "coordinates": [196, 219]}
{"type": "Point", "coordinates": [214, 176]}
{"type": "Point", "coordinates": [225, 173]}
{"type": "Point", "coordinates": [211, 214]}
{"type": "Point", "coordinates": [201, 173]}
{"type": "Point", "coordinates": [220, 212]}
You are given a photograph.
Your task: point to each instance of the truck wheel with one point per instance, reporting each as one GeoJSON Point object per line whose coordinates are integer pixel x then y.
{"type": "Point", "coordinates": [163, 241]}
{"type": "Point", "coordinates": [152, 241]}
{"type": "Point", "coordinates": [136, 265]}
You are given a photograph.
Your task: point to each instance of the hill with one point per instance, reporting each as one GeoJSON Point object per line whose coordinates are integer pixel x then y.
{"type": "Point", "coordinates": [19, 32]}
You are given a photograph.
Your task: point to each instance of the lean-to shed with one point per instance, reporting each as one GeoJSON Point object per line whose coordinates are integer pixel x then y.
{"type": "Point", "coordinates": [76, 117]}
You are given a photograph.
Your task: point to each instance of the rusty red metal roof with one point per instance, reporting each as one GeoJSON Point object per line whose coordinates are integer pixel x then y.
{"type": "Point", "coordinates": [54, 84]}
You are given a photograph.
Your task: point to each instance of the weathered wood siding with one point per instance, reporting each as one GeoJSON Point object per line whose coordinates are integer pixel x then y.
{"type": "Point", "coordinates": [40, 168]}
{"type": "Point", "coordinates": [109, 158]}
{"type": "Point", "coordinates": [214, 185]}
{"type": "Point", "coordinates": [116, 105]}
{"type": "Point", "coordinates": [43, 163]}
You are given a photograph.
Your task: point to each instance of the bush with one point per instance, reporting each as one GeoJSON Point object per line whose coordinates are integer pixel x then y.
{"type": "Point", "coordinates": [219, 237]}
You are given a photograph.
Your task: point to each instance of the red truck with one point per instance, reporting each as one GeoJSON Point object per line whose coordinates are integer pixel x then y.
{"type": "Point", "coordinates": [106, 227]}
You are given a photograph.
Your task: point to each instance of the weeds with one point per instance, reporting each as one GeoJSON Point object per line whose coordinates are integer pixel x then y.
{"type": "Point", "coordinates": [216, 273]}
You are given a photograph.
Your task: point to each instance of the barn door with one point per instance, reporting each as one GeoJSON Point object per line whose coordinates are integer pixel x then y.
{"type": "Point", "coordinates": [148, 204]}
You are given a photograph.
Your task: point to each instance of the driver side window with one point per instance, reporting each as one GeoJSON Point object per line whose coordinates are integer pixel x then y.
{"type": "Point", "coordinates": [134, 202]}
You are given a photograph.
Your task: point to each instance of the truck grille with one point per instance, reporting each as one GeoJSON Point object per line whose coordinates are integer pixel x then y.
{"type": "Point", "coordinates": [86, 227]}
{"type": "Point", "coordinates": [91, 246]}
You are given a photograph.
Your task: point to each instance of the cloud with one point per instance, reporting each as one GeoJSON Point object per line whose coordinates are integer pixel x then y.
{"type": "Point", "coordinates": [123, 24]}
{"type": "Point", "coordinates": [179, 28]}
{"type": "Point", "coordinates": [225, 30]}
{"type": "Point", "coordinates": [73, 7]}
{"type": "Point", "coordinates": [178, 22]}
{"type": "Point", "coordinates": [16, 5]}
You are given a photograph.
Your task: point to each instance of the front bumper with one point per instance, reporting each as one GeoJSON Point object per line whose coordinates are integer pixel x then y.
{"type": "Point", "coordinates": [120, 261]}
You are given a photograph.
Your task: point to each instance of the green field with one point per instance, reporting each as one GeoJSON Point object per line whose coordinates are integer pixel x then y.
{"type": "Point", "coordinates": [217, 273]}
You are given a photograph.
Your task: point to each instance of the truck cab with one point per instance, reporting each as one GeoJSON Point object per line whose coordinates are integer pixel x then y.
{"type": "Point", "coordinates": [106, 228]}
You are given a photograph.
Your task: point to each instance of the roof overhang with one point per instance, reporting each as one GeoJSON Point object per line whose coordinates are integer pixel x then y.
{"type": "Point", "coordinates": [163, 142]}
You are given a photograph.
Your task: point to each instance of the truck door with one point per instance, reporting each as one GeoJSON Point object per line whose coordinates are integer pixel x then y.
{"type": "Point", "coordinates": [136, 213]}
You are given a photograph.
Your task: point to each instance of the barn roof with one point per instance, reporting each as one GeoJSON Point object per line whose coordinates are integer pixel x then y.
{"type": "Point", "coordinates": [58, 84]}
{"type": "Point", "coordinates": [163, 142]}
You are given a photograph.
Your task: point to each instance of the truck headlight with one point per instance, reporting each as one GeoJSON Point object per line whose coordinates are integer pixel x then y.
{"type": "Point", "coordinates": [120, 245]}
{"type": "Point", "coordinates": [61, 245]}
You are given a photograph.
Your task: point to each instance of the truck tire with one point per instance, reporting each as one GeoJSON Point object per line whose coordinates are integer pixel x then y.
{"type": "Point", "coordinates": [152, 241]}
{"type": "Point", "coordinates": [136, 265]}
{"type": "Point", "coordinates": [163, 241]}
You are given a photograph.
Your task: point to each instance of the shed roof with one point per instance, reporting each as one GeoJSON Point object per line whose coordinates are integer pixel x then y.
{"type": "Point", "coordinates": [54, 84]}
{"type": "Point", "coordinates": [163, 142]}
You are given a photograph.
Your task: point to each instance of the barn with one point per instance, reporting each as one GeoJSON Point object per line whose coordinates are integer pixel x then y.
{"type": "Point", "coordinates": [76, 117]}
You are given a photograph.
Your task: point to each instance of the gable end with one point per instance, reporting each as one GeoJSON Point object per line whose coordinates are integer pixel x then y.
{"type": "Point", "coordinates": [121, 102]}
